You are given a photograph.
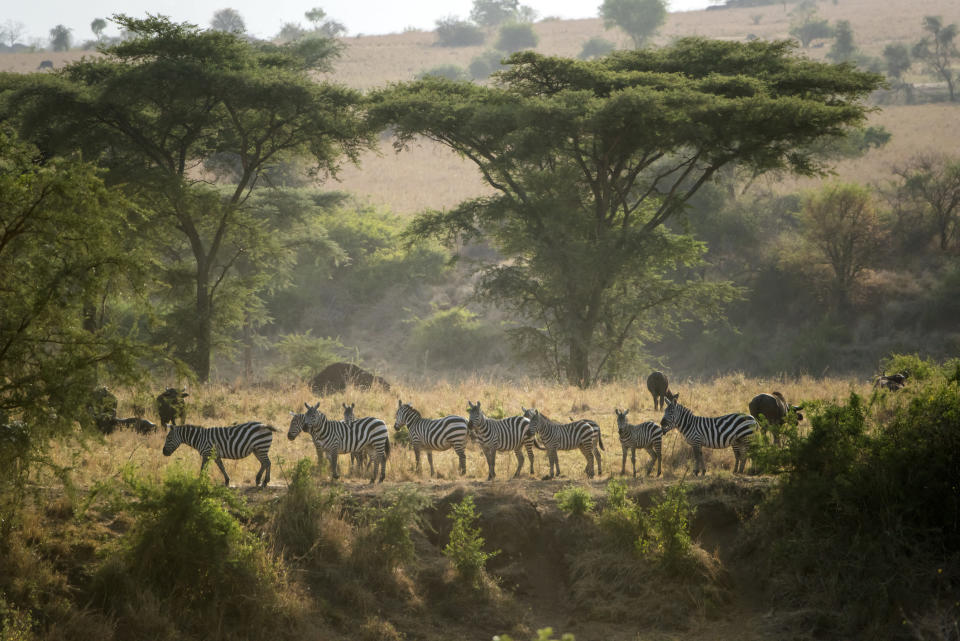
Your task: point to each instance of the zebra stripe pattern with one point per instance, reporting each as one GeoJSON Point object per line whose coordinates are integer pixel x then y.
{"type": "Point", "coordinates": [583, 434]}
{"type": "Point", "coordinates": [233, 442]}
{"type": "Point", "coordinates": [333, 437]}
{"type": "Point", "coordinates": [647, 435]}
{"type": "Point", "coordinates": [433, 435]}
{"type": "Point", "coordinates": [730, 430]}
{"type": "Point", "coordinates": [510, 434]}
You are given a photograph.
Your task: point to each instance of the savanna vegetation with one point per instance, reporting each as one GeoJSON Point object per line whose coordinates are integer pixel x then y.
{"type": "Point", "coordinates": [583, 215]}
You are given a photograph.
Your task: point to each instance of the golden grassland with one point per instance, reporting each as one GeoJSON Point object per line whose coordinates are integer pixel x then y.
{"type": "Point", "coordinates": [223, 404]}
{"type": "Point", "coordinates": [430, 176]}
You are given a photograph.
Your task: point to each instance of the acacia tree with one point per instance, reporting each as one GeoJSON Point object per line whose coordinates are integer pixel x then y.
{"type": "Point", "coordinates": [60, 38]}
{"type": "Point", "coordinates": [228, 20]}
{"type": "Point", "coordinates": [938, 50]}
{"type": "Point", "coordinates": [97, 25]}
{"type": "Point", "coordinates": [155, 107]}
{"type": "Point", "coordinates": [931, 183]}
{"type": "Point", "coordinates": [844, 229]}
{"type": "Point", "coordinates": [591, 159]}
{"type": "Point", "coordinates": [639, 18]}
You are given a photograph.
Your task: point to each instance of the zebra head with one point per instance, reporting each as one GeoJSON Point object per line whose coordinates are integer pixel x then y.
{"type": "Point", "coordinates": [621, 420]}
{"type": "Point", "coordinates": [405, 414]}
{"type": "Point", "coordinates": [173, 441]}
{"type": "Point", "coordinates": [348, 416]}
{"type": "Point", "coordinates": [532, 415]}
{"type": "Point", "coordinates": [475, 416]}
{"type": "Point", "coordinates": [671, 415]}
{"type": "Point", "coordinates": [302, 422]}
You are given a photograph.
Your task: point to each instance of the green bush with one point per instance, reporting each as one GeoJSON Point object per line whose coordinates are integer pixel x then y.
{"type": "Point", "coordinates": [465, 548]}
{"type": "Point", "coordinates": [452, 337]}
{"type": "Point", "coordinates": [296, 522]}
{"type": "Point", "coordinates": [383, 542]}
{"type": "Point", "coordinates": [188, 552]}
{"type": "Point", "coordinates": [485, 64]}
{"type": "Point", "coordinates": [574, 501]}
{"type": "Point", "coordinates": [621, 520]}
{"type": "Point", "coordinates": [455, 73]}
{"type": "Point", "coordinates": [595, 47]}
{"type": "Point", "coordinates": [920, 369]}
{"type": "Point", "coordinates": [543, 634]}
{"type": "Point", "coordinates": [305, 356]}
{"type": "Point", "coordinates": [453, 32]}
{"type": "Point", "coordinates": [768, 458]}
{"type": "Point", "coordinates": [516, 36]}
{"type": "Point", "coordinates": [668, 527]}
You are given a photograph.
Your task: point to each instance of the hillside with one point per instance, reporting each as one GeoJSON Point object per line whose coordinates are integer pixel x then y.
{"type": "Point", "coordinates": [429, 176]}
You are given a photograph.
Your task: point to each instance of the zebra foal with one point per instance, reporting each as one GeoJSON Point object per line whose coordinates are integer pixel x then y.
{"type": "Point", "coordinates": [729, 430]}
{"type": "Point", "coordinates": [333, 437]}
{"type": "Point", "coordinates": [233, 442]}
{"type": "Point", "coordinates": [583, 434]}
{"type": "Point", "coordinates": [432, 435]}
{"type": "Point", "coordinates": [647, 435]}
{"type": "Point", "coordinates": [510, 434]}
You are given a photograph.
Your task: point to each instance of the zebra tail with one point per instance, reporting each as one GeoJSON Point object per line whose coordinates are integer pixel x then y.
{"type": "Point", "coordinates": [386, 449]}
{"type": "Point", "coordinates": [269, 427]}
{"type": "Point", "coordinates": [600, 440]}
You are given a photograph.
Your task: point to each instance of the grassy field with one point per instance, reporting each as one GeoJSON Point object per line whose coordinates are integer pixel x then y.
{"type": "Point", "coordinates": [221, 404]}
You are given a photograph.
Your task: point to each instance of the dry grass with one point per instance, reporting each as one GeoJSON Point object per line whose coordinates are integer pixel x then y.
{"type": "Point", "coordinates": [220, 404]}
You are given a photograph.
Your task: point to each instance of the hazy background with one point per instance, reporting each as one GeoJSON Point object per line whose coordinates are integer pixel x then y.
{"type": "Point", "coordinates": [264, 19]}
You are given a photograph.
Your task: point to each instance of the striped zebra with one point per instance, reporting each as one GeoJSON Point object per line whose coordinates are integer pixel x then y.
{"type": "Point", "coordinates": [333, 437]}
{"type": "Point", "coordinates": [233, 442]}
{"type": "Point", "coordinates": [363, 458]}
{"type": "Point", "coordinates": [730, 430]}
{"type": "Point", "coordinates": [510, 434]}
{"type": "Point", "coordinates": [583, 434]}
{"type": "Point", "coordinates": [647, 435]}
{"type": "Point", "coordinates": [433, 434]}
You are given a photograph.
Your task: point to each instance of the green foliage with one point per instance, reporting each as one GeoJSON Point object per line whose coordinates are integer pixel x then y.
{"type": "Point", "coordinates": [621, 520]}
{"type": "Point", "coordinates": [60, 38]}
{"type": "Point", "coordinates": [384, 542]}
{"type": "Point", "coordinates": [668, 527]}
{"type": "Point", "coordinates": [937, 51]}
{"type": "Point", "coordinates": [485, 64]}
{"type": "Point", "coordinates": [897, 60]}
{"type": "Point", "coordinates": [305, 356]}
{"type": "Point", "coordinates": [465, 548]}
{"type": "Point", "coordinates": [493, 13]}
{"type": "Point", "coordinates": [453, 32]}
{"type": "Point", "coordinates": [455, 73]}
{"type": "Point", "coordinates": [624, 275]}
{"type": "Point", "coordinates": [920, 369]}
{"type": "Point", "coordinates": [296, 522]}
{"type": "Point", "coordinates": [639, 18]}
{"type": "Point", "coordinates": [768, 458]}
{"type": "Point", "coordinates": [595, 47]}
{"type": "Point", "coordinates": [455, 336]}
{"type": "Point", "coordinates": [188, 551]}
{"type": "Point", "coordinates": [574, 501]}
{"type": "Point", "coordinates": [516, 36]}
{"type": "Point", "coordinates": [809, 27]}
{"type": "Point", "coordinates": [843, 48]}
{"type": "Point", "coordinates": [543, 634]}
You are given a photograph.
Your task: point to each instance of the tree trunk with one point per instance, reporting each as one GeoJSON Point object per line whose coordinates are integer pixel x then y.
{"type": "Point", "coordinates": [204, 327]}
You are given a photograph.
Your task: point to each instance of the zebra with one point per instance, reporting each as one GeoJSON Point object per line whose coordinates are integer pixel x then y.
{"type": "Point", "coordinates": [233, 442]}
{"type": "Point", "coordinates": [647, 435]}
{"type": "Point", "coordinates": [730, 430]}
{"type": "Point", "coordinates": [333, 437]}
{"type": "Point", "coordinates": [503, 435]}
{"type": "Point", "coordinates": [583, 434]}
{"type": "Point", "coordinates": [362, 458]}
{"type": "Point", "coordinates": [433, 434]}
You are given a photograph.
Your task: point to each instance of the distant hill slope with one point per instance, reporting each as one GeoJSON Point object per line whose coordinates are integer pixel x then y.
{"type": "Point", "coordinates": [429, 176]}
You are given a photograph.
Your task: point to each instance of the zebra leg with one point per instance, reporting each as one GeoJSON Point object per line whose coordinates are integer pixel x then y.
{"type": "Point", "coordinates": [623, 464]}
{"type": "Point", "coordinates": [519, 454]}
{"type": "Point", "coordinates": [698, 465]}
{"type": "Point", "coordinates": [430, 461]}
{"type": "Point", "coordinates": [223, 470]}
{"type": "Point", "coordinates": [334, 473]}
{"type": "Point", "coordinates": [462, 455]}
{"type": "Point", "coordinates": [653, 458]}
{"type": "Point", "coordinates": [264, 470]}
{"type": "Point", "coordinates": [530, 456]}
{"type": "Point", "coordinates": [554, 462]}
{"type": "Point", "coordinates": [491, 455]}
{"type": "Point", "coordinates": [416, 454]}
{"type": "Point", "coordinates": [596, 453]}
{"type": "Point", "coordinates": [588, 454]}
{"type": "Point", "coordinates": [633, 461]}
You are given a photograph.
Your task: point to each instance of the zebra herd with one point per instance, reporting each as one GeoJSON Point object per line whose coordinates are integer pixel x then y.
{"type": "Point", "coordinates": [367, 440]}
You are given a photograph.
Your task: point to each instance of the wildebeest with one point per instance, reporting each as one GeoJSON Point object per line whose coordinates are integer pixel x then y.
{"type": "Point", "coordinates": [659, 388]}
{"type": "Point", "coordinates": [893, 382]}
{"type": "Point", "coordinates": [774, 408]}
{"type": "Point", "coordinates": [139, 424]}
{"type": "Point", "coordinates": [170, 406]}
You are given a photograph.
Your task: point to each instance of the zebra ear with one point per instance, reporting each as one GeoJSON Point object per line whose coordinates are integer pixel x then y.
{"type": "Point", "coordinates": [307, 405]}
{"type": "Point", "coordinates": [399, 402]}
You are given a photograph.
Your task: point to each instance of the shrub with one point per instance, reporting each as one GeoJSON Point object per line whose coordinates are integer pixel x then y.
{"type": "Point", "coordinates": [485, 64]}
{"type": "Point", "coordinates": [305, 356]}
{"type": "Point", "coordinates": [451, 337]}
{"type": "Point", "coordinates": [595, 47]}
{"type": "Point", "coordinates": [453, 32]}
{"type": "Point", "coordinates": [384, 541]}
{"type": "Point", "coordinates": [920, 369]}
{"type": "Point", "coordinates": [516, 37]}
{"type": "Point", "coordinates": [668, 526]}
{"type": "Point", "coordinates": [574, 501]}
{"type": "Point", "coordinates": [465, 548]}
{"type": "Point", "coordinates": [449, 72]}
{"type": "Point", "coordinates": [622, 520]}
{"type": "Point", "coordinates": [297, 522]}
{"type": "Point", "coordinates": [543, 634]}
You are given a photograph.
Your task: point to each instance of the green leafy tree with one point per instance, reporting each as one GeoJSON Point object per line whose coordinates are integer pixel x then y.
{"type": "Point", "coordinates": [843, 48]}
{"type": "Point", "coordinates": [843, 227]}
{"type": "Point", "coordinates": [485, 64]}
{"type": "Point", "coordinates": [897, 60]}
{"type": "Point", "coordinates": [931, 183]}
{"type": "Point", "coordinates": [324, 26]}
{"type": "Point", "coordinates": [808, 26]}
{"type": "Point", "coordinates": [639, 18]}
{"type": "Point", "coordinates": [290, 32]}
{"type": "Point", "coordinates": [453, 32]}
{"type": "Point", "coordinates": [596, 47]}
{"type": "Point", "coordinates": [97, 27]}
{"type": "Point", "coordinates": [157, 106]}
{"type": "Point", "coordinates": [493, 13]}
{"type": "Point", "coordinates": [228, 20]}
{"type": "Point", "coordinates": [938, 50]}
{"type": "Point", "coordinates": [516, 37]}
{"type": "Point", "coordinates": [590, 160]}
{"type": "Point", "coordinates": [60, 38]}
{"type": "Point", "coordinates": [465, 547]}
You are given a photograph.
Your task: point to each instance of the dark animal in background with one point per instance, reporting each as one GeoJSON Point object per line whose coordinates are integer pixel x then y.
{"type": "Point", "coordinates": [45, 64]}
{"type": "Point", "coordinates": [659, 388]}
{"type": "Point", "coordinates": [171, 406]}
{"type": "Point", "coordinates": [336, 377]}
{"type": "Point", "coordinates": [139, 425]}
{"type": "Point", "coordinates": [102, 408]}
{"type": "Point", "coordinates": [893, 382]}
{"type": "Point", "coordinates": [774, 408]}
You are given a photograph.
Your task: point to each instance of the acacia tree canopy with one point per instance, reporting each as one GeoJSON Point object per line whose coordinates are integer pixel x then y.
{"type": "Point", "coordinates": [156, 107]}
{"type": "Point", "coordinates": [590, 159]}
